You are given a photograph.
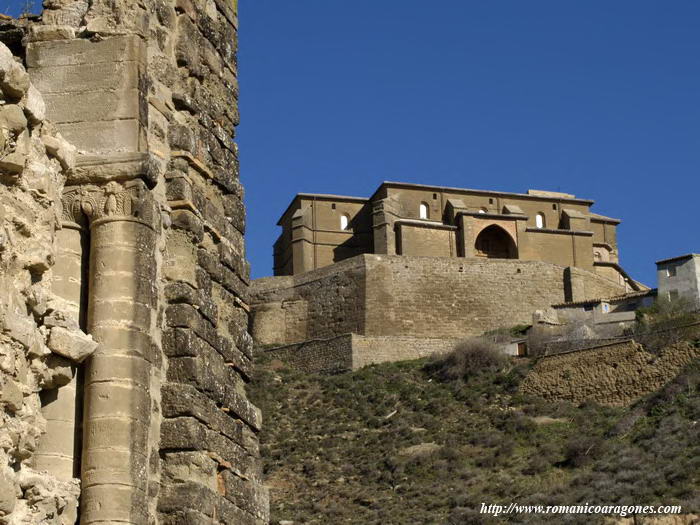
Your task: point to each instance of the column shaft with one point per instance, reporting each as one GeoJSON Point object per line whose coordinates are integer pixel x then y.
{"type": "Point", "coordinates": [117, 402]}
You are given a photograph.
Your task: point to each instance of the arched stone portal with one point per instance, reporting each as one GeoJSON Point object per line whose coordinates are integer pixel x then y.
{"type": "Point", "coordinates": [495, 243]}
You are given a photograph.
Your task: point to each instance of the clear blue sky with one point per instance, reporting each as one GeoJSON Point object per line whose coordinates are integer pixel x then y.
{"type": "Point", "coordinates": [596, 98]}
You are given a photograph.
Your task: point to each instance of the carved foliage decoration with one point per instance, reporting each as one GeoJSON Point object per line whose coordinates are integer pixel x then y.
{"type": "Point", "coordinates": [86, 203]}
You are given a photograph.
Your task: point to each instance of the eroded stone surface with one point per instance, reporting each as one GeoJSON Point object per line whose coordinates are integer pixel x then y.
{"type": "Point", "coordinates": [31, 182]}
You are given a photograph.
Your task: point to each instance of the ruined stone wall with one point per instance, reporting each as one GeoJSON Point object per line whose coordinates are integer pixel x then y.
{"type": "Point", "coordinates": [41, 343]}
{"type": "Point", "coordinates": [153, 259]}
{"type": "Point", "coordinates": [613, 374]}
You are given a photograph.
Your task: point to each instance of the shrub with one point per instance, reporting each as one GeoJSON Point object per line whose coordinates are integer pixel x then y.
{"type": "Point", "coordinates": [666, 322]}
{"type": "Point", "coordinates": [469, 358]}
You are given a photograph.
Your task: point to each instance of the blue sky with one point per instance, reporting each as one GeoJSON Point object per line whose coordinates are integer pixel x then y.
{"type": "Point", "coordinates": [595, 98]}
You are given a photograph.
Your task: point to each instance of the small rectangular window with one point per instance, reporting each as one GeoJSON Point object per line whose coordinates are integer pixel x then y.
{"type": "Point", "coordinates": [333, 205]}
{"type": "Point", "coordinates": [434, 195]}
{"type": "Point", "coordinates": [671, 271]}
{"type": "Point", "coordinates": [490, 201]}
{"type": "Point", "coordinates": [554, 206]}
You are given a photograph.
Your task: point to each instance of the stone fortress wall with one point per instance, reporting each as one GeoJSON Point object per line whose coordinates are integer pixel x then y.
{"type": "Point", "coordinates": [413, 297]}
{"type": "Point", "coordinates": [124, 289]}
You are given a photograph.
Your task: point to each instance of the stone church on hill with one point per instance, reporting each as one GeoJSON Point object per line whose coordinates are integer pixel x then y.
{"type": "Point", "coordinates": [424, 220]}
{"type": "Point", "coordinates": [402, 273]}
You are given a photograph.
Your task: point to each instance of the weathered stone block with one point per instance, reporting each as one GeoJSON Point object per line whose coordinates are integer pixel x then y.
{"type": "Point", "coordinates": [249, 496]}
{"type": "Point", "coordinates": [71, 344]}
{"type": "Point", "coordinates": [50, 32]}
{"type": "Point", "coordinates": [178, 496]}
{"type": "Point", "coordinates": [14, 81]}
{"type": "Point", "coordinates": [8, 495]}
{"type": "Point", "coordinates": [185, 433]}
{"type": "Point", "coordinates": [187, 220]}
{"type": "Point", "coordinates": [190, 466]}
{"type": "Point", "coordinates": [12, 118]}
{"type": "Point", "coordinates": [181, 342]}
{"type": "Point", "coordinates": [186, 401]}
{"type": "Point", "coordinates": [11, 396]}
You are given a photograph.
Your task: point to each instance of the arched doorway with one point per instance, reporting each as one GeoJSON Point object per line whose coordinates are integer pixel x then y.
{"type": "Point", "coordinates": [495, 243]}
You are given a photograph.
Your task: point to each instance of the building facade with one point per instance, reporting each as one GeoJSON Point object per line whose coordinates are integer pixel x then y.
{"type": "Point", "coordinates": [679, 278]}
{"type": "Point", "coordinates": [422, 220]}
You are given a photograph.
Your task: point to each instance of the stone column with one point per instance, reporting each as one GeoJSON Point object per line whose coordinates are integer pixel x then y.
{"type": "Point", "coordinates": [58, 451]}
{"type": "Point", "coordinates": [120, 317]}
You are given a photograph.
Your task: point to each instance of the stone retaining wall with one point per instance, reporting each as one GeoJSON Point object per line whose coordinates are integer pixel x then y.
{"type": "Point", "coordinates": [426, 297]}
{"type": "Point", "coordinates": [352, 351]}
{"type": "Point", "coordinates": [614, 374]}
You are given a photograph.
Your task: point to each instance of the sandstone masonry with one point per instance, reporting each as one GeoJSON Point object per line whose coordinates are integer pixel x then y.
{"type": "Point", "coordinates": [124, 293]}
{"type": "Point", "coordinates": [429, 297]}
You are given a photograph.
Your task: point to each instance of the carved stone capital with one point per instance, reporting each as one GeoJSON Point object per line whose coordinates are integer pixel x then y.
{"type": "Point", "coordinates": [87, 203]}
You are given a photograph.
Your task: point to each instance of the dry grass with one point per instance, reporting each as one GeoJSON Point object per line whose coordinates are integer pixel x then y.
{"type": "Point", "coordinates": [469, 358]}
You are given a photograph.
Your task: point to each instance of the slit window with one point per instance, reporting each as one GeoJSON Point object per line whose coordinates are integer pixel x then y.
{"type": "Point", "coordinates": [423, 211]}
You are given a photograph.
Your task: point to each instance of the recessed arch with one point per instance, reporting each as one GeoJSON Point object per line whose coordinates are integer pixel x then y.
{"type": "Point", "coordinates": [495, 243]}
{"type": "Point", "coordinates": [344, 222]}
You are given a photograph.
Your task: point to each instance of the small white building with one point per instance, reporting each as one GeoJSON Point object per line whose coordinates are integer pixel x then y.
{"type": "Point", "coordinates": [679, 278]}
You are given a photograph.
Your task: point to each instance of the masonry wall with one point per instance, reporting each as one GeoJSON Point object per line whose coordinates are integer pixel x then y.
{"type": "Point", "coordinates": [155, 222]}
{"type": "Point", "coordinates": [451, 298]}
{"type": "Point", "coordinates": [614, 374]}
{"type": "Point", "coordinates": [367, 350]}
{"type": "Point", "coordinates": [425, 240]}
{"type": "Point", "coordinates": [424, 297]}
{"type": "Point", "coordinates": [352, 351]}
{"type": "Point", "coordinates": [583, 285]}
{"type": "Point", "coordinates": [323, 356]}
{"type": "Point", "coordinates": [315, 305]}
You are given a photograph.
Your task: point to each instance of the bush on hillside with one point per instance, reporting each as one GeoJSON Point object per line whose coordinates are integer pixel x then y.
{"type": "Point", "coordinates": [470, 357]}
{"type": "Point", "coordinates": [666, 322]}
